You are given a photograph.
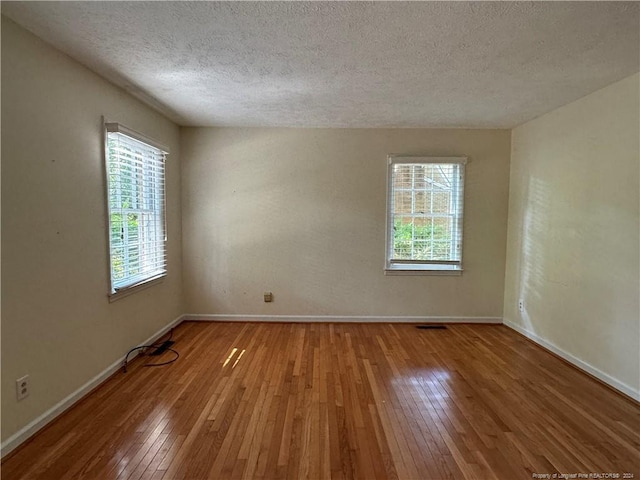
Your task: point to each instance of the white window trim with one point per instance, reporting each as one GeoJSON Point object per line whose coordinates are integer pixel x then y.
{"type": "Point", "coordinates": [110, 127]}
{"type": "Point", "coordinates": [418, 267]}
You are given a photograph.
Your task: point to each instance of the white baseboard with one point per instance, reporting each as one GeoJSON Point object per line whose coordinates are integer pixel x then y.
{"type": "Point", "coordinates": [30, 429]}
{"type": "Point", "coordinates": [590, 369]}
{"type": "Point", "coordinates": [232, 317]}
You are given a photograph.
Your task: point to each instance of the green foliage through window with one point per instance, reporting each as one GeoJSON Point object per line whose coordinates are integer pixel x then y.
{"type": "Point", "coordinates": [420, 242]}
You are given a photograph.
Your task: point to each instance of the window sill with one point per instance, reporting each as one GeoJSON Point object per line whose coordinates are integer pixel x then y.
{"type": "Point", "coordinates": [125, 292]}
{"type": "Point", "coordinates": [407, 271]}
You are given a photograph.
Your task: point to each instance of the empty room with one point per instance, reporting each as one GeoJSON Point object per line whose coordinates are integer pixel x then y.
{"type": "Point", "coordinates": [320, 240]}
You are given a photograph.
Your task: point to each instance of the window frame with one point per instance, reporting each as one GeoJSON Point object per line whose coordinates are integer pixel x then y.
{"type": "Point", "coordinates": [115, 292]}
{"type": "Point", "coordinates": [425, 267]}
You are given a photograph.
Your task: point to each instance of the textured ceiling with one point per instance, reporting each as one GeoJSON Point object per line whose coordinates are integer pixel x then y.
{"type": "Point", "coordinates": [347, 64]}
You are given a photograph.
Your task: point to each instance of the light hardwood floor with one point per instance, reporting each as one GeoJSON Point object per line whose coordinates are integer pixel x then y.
{"type": "Point", "coordinates": [249, 400]}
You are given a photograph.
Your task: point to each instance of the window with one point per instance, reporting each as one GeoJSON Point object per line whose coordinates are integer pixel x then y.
{"type": "Point", "coordinates": [136, 202]}
{"type": "Point", "coordinates": [424, 215]}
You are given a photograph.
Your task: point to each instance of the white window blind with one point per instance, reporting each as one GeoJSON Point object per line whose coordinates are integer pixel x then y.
{"type": "Point", "coordinates": [136, 200]}
{"type": "Point", "coordinates": [425, 212]}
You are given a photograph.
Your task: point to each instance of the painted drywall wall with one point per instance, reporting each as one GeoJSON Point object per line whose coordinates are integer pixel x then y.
{"type": "Point", "coordinates": [574, 236]}
{"type": "Point", "coordinates": [57, 323]}
{"type": "Point", "coordinates": [301, 213]}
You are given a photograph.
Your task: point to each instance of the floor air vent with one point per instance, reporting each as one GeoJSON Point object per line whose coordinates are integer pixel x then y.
{"type": "Point", "coordinates": [431, 327]}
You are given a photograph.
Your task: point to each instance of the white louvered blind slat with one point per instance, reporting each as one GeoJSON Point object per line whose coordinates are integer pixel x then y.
{"type": "Point", "coordinates": [136, 199]}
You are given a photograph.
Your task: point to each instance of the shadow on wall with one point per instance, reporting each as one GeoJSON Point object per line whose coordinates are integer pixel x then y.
{"type": "Point", "coordinates": [535, 225]}
{"type": "Point", "coordinates": [564, 302]}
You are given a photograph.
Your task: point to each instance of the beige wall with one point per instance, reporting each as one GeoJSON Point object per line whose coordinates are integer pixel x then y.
{"type": "Point", "coordinates": [574, 232]}
{"type": "Point", "coordinates": [57, 323]}
{"type": "Point", "coordinates": [301, 213]}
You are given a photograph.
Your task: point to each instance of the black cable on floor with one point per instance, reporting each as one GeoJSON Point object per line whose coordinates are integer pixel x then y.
{"type": "Point", "coordinates": [156, 344]}
{"type": "Point", "coordinates": [167, 362]}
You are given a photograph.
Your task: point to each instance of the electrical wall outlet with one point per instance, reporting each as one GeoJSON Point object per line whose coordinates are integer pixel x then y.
{"type": "Point", "coordinates": [268, 297]}
{"type": "Point", "coordinates": [22, 387]}
{"type": "Point", "coordinates": [521, 305]}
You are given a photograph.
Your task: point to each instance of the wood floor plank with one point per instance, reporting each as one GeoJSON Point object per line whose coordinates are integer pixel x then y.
{"type": "Point", "coordinates": [340, 401]}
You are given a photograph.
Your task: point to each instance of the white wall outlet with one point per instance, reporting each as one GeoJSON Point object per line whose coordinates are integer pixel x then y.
{"type": "Point", "coordinates": [268, 297]}
{"type": "Point", "coordinates": [22, 387]}
{"type": "Point", "coordinates": [521, 305]}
